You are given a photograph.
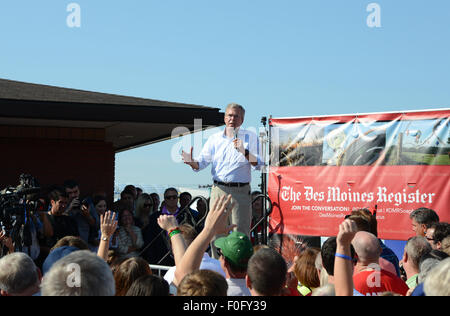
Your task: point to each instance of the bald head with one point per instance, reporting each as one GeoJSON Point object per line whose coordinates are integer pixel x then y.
{"type": "Point", "coordinates": [367, 247]}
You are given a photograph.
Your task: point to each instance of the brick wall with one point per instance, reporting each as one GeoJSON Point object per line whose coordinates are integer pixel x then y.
{"type": "Point", "coordinates": [53, 155]}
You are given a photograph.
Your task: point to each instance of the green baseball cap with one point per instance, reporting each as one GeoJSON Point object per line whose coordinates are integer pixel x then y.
{"type": "Point", "coordinates": [236, 247]}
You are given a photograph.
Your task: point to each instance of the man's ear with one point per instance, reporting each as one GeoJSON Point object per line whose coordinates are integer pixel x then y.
{"type": "Point", "coordinates": [424, 228]}
{"type": "Point", "coordinates": [248, 282]}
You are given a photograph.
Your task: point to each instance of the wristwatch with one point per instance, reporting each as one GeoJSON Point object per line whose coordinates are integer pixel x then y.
{"type": "Point", "coordinates": [105, 238]}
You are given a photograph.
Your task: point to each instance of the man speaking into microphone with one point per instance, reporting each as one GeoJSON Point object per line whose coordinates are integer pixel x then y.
{"type": "Point", "coordinates": [232, 153]}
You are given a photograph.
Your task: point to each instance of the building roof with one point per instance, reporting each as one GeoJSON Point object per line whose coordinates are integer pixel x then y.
{"type": "Point", "coordinates": [128, 122]}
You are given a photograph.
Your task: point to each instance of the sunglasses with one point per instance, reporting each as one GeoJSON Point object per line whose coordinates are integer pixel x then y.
{"type": "Point", "coordinates": [219, 253]}
{"type": "Point", "coordinates": [171, 197]}
{"type": "Point", "coordinates": [148, 205]}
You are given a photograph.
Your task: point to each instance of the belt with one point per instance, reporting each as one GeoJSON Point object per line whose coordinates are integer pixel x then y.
{"type": "Point", "coordinates": [231, 184]}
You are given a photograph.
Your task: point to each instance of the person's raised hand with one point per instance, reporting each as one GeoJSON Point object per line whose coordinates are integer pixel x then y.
{"type": "Point", "coordinates": [108, 224]}
{"type": "Point", "coordinates": [217, 219]}
{"type": "Point", "coordinates": [167, 222]}
{"type": "Point", "coordinates": [347, 231]}
{"type": "Point", "coordinates": [187, 157]}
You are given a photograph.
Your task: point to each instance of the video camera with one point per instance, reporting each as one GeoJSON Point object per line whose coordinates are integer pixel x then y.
{"type": "Point", "coordinates": [16, 205]}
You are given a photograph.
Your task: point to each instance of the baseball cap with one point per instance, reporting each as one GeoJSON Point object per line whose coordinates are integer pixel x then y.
{"type": "Point", "coordinates": [236, 247]}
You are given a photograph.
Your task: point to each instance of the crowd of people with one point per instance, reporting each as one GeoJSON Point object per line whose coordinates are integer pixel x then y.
{"type": "Point", "coordinates": [112, 248]}
{"type": "Point", "coordinates": [78, 245]}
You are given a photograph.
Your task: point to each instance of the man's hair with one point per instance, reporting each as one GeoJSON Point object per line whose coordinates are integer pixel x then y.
{"type": "Point", "coordinates": [416, 247]}
{"type": "Point", "coordinates": [185, 193]}
{"type": "Point", "coordinates": [372, 219]}
{"type": "Point", "coordinates": [56, 194]}
{"type": "Point", "coordinates": [70, 184]}
{"type": "Point", "coordinates": [128, 271]}
{"type": "Point", "coordinates": [425, 216]}
{"type": "Point", "coordinates": [236, 106]}
{"type": "Point", "coordinates": [149, 285]}
{"type": "Point", "coordinates": [361, 223]}
{"type": "Point", "coordinates": [267, 271]}
{"type": "Point", "coordinates": [441, 230]}
{"type": "Point", "coordinates": [170, 189]}
{"type": "Point", "coordinates": [327, 253]}
{"type": "Point", "coordinates": [94, 274]}
{"type": "Point", "coordinates": [71, 241]}
{"type": "Point", "coordinates": [428, 261]}
{"type": "Point", "coordinates": [437, 281]}
{"type": "Point", "coordinates": [445, 245]}
{"type": "Point", "coordinates": [203, 283]}
{"type": "Point", "coordinates": [17, 273]}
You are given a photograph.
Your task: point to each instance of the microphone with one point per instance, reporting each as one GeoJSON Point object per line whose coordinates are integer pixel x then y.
{"type": "Point", "coordinates": [235, 132]}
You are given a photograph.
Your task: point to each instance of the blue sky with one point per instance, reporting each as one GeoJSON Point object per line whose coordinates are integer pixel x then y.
{"type": "Point", "coordinates": [281, 58]}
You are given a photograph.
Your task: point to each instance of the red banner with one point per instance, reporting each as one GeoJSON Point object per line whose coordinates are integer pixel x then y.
{"type": "Point", "coordinates": [323, 168]}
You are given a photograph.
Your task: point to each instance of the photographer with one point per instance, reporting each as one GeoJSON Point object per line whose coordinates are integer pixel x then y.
{"type": "Point", "coordinates": [81, 210]}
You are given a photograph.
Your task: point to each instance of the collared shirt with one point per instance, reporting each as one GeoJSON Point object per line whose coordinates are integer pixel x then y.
{"type": "Point", "coordinates": [412, 281]}
{"type": "Point", "coordinates": [228, 164]}
{"type": "Point", "coordinates": [165, 211]}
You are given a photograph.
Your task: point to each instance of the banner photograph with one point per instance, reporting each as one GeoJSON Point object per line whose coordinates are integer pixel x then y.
{"type": "Point", "coordinates": [390, 163]}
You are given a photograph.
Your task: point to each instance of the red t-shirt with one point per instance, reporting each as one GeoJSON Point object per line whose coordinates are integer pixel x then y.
{"type": "Point", "coordinates": [373, 282]}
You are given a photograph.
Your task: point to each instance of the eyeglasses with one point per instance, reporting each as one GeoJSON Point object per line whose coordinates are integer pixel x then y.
{"type": "Point", "coordinates": [171, 197]}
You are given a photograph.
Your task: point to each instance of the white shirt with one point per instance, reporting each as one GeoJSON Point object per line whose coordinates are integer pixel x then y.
{"type": "Point", "coordinates": [237, 287]}
{"type": "Point", "coordinates": [207, 263]}
{"type": "Point", "coordinates": [228, 164]}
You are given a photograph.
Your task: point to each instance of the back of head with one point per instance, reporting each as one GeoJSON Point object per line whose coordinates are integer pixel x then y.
{"type": "Point", "coordinates": [149, 285]}
{"type": "Point", "coordinates": [437, 281]}
{"type": "Point", "coordinates": [441, 231]}
{"type": "Point", "coordinates": [81, 273]}
{"type": "Point", "coordinates": [129, 271]}
{"type": "Point", "coordinates": [203, 283]}
{"type": "Point", "coordinates": [371, 219]}
{"type": "Point", "coordinates": [367, 247]}
{"type": "Point", "coordinates": [428, 261]}
{"type": "Point", "coordinates": [361, 223]}
{"type": "Point", "coordinates": [416, 247]}
{"type": "Point", "coordinates": [327, 254]}
{"type": "Point", "coordinates": [189, 233]}
{"type": "Point", "coordinates": [17, 273]}
{"type": "Point", "coordinates": [425, 216]}
{"type": "Point", "coordinates": [267, 272]}
{"type": "Point", "coordinates": [305, 268]}
{"type": "Point", "coordinates": [445, 245]}
{"type": "Point", "coordinates": [71, 241]}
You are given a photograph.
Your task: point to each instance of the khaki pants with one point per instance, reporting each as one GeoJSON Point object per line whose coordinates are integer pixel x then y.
{"type": "Point", "coordinates": [241, 214]}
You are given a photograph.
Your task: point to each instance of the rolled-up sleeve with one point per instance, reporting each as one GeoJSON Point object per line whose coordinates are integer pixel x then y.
{"type": "Point", "coordinates": [253, 145]}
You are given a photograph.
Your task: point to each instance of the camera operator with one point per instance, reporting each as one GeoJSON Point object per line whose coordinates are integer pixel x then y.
{"type": "Point", "coordinates": [62, 225]}
{"type": "Point", "coordinates": [82, 211]}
